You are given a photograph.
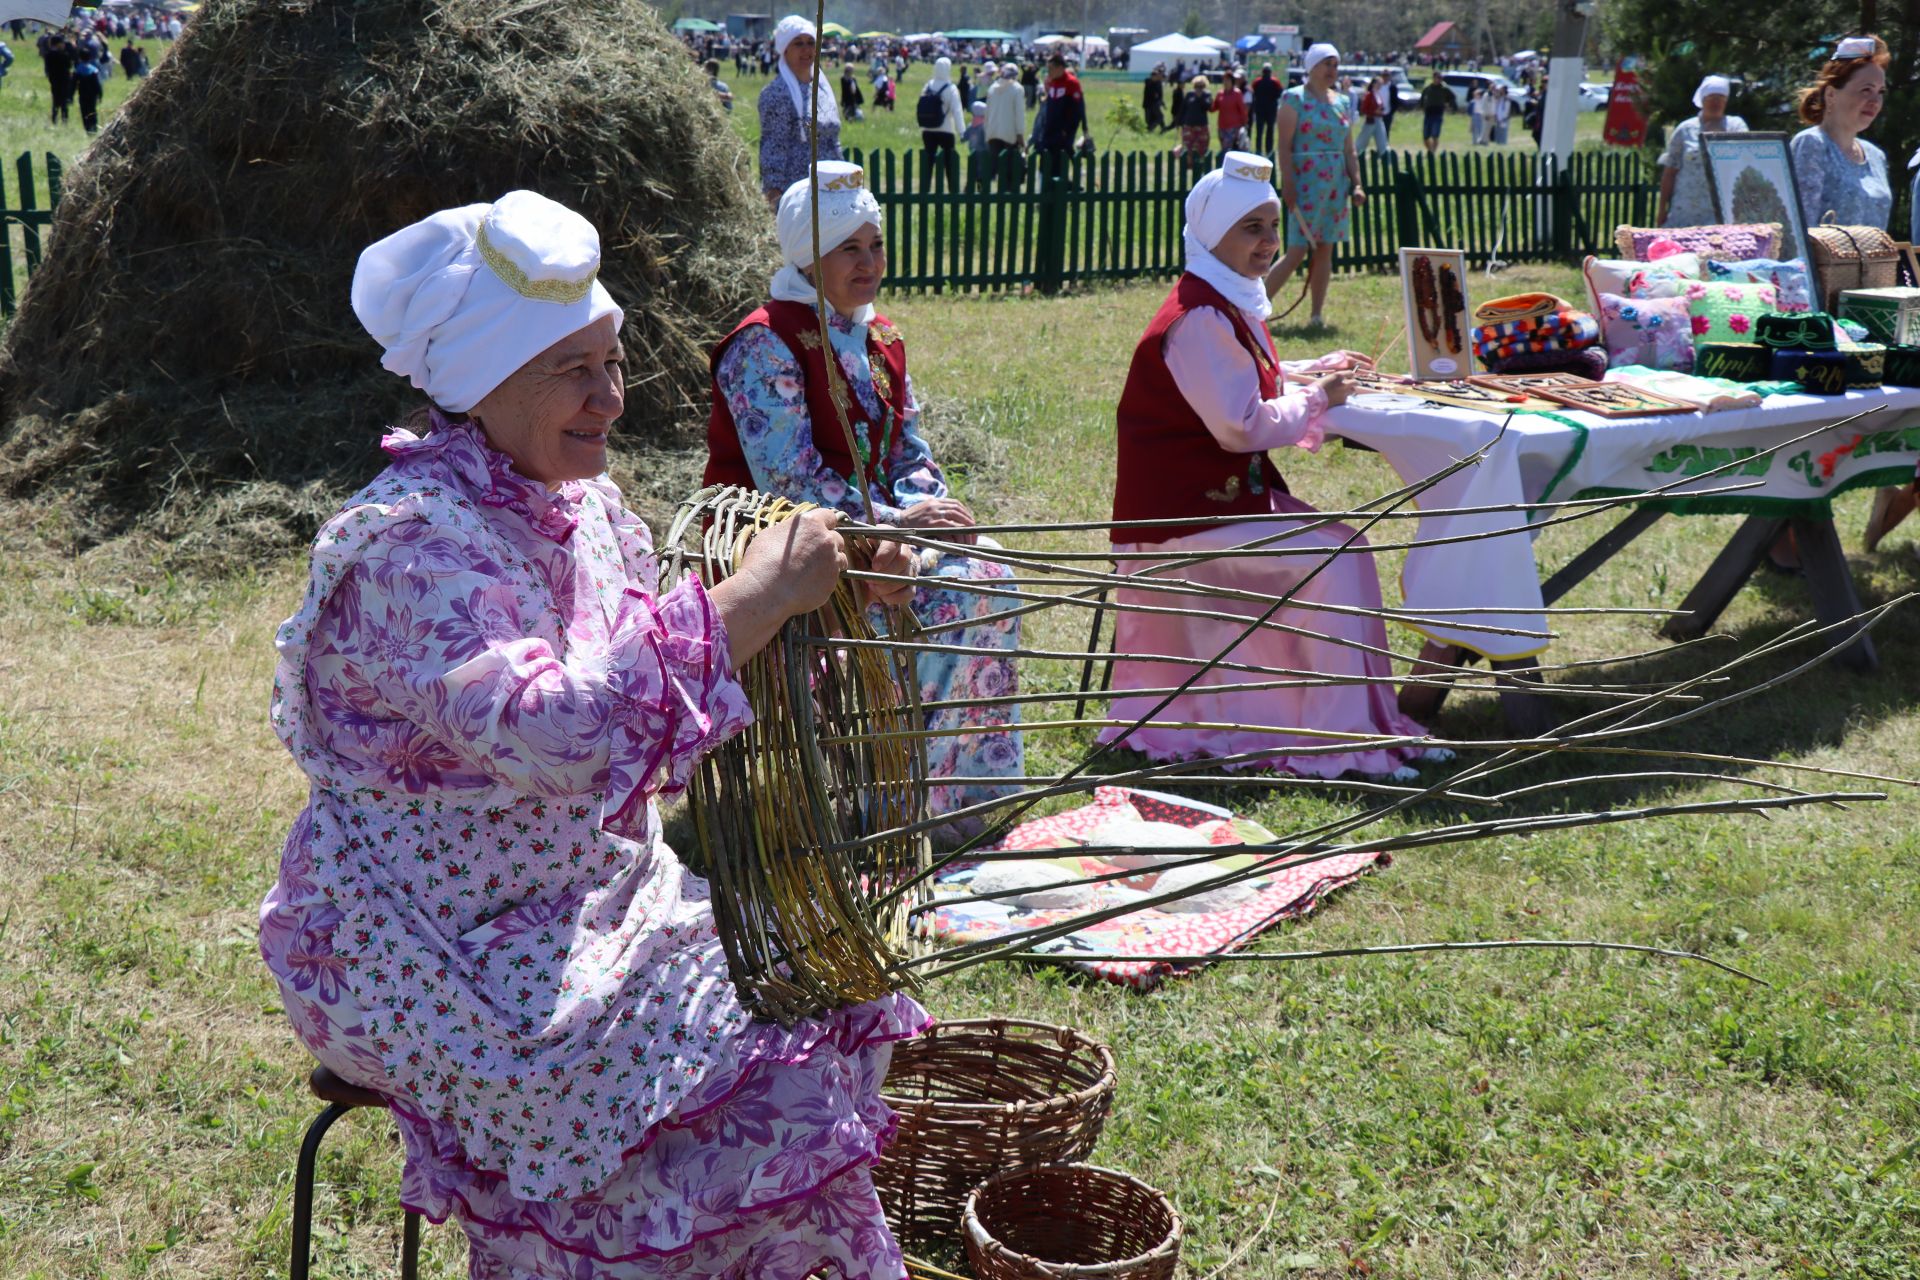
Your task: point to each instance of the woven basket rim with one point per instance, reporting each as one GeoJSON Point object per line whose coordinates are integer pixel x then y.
{"type": "Point", "coordinates": [1103, 1055]}
{"type": "Point", "coordinates": [1168, 1247]}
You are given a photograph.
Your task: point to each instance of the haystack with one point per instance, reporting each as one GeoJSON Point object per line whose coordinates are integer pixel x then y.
{"type": "Point", "coordinates": [186, 362]}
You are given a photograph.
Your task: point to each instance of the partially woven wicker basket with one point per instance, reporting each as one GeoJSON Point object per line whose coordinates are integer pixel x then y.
{"type": "Point", "coordinates": [976, 1097]}
{"type": "Point", "coordinates": [1070, 1222]}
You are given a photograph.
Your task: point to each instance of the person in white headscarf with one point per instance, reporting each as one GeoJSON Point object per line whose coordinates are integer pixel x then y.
{"type": "Point", "coordinates": [776, 426]}
{"type": "Point", "coordinates": [1684, 198]}
{"type": "Point", "coordinates": [1206, 398]}
{"type": "Point", "coordinates": [940, 116]}
{"type": "Point", "coordinates": [786, 144]}
{"type": "Point", "coordinates": [1319, 174]}
{"type": "Point", "coordinates": [476, 915]}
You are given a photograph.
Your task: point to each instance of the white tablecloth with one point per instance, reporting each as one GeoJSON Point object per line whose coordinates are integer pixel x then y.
{"type": "Point", "coordinates": [1543, 458]}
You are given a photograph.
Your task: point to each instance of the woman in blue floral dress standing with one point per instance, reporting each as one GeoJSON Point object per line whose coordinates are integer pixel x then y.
{"type": "Point", "coordinates": [774, 428]}
{"type": "Point", "coordinates": [1319, 175]}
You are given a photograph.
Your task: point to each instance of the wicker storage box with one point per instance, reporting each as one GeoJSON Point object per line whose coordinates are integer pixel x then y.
{"type": "Point", "coordinates": [1071, 1222]}
{"type": "Point", "coordinates": [978, 1097]}
{"type": "Point", "coordinates": [1850, 258]}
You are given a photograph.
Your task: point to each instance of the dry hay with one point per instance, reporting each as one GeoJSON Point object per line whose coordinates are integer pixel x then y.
{"type": "Point", "coordinates": [186, 363]}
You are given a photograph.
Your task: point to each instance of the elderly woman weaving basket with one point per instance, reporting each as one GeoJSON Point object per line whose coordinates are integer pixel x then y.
{"type": "Point", "coordinates": [476, 914]}
{"type": "Point", "coordinates": [775, 427]}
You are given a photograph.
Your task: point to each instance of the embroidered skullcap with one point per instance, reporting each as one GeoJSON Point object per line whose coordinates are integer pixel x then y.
{"type": "Point", "coordinates": [791, 27]}
{"type": "Point", "coordinates": [1854, 47]}
{"type": "Point", "coordinates": [845, 206]}
{"type": "Point", "coordinates": [1709, 87]}
{"type": "Point", "coordinates": [1317, 54]}
{"type": "Point", "coordinates": [462, 299]}
{"type": "Point", "coordinates": [1242, 183]}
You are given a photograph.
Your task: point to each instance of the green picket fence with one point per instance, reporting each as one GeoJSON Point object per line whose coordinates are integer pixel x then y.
{"type": "Point", "coordinates": [27, 215]}
{"type": "Point", "coordinates": [1051, 221]}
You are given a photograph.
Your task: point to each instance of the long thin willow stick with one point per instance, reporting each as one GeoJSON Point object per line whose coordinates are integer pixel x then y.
{"type": "Point", "coordinates": [965, 954]}
{"type": "Point", "coordinates": [1402, 949]}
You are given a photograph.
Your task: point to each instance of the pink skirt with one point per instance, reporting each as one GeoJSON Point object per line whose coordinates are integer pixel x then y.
{"type": "Point", "coordinates": [1272, 721]}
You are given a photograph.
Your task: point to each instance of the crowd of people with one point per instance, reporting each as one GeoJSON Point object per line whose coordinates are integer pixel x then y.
{"type": "Point", "coordinates": [794, 107]}
{"type": "Point", "coordinates": [79, 59]}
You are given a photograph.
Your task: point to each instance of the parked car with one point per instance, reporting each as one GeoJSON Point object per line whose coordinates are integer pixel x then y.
{"type": "Point", "coordinates": [1461, 81]}
{"type": "Point", "coordinates": [1595, 97]}
{"type": "Point", "coordinates": [1406, 94]}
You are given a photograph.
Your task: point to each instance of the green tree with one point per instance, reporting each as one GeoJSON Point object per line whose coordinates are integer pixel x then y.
{"type": "Point", "coordinates": [1755, 200]}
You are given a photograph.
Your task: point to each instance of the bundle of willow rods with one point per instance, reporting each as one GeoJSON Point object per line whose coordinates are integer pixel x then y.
{"type": "Point", "coordinates": [785, 811]}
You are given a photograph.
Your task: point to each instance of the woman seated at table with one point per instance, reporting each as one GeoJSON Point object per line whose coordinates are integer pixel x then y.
{"type": "Point", "coordinates": [476, 914]}
{"type": "Point", "coordinates": [1205, 399]}
{"type": "Point", "coordinates": [775, 428]}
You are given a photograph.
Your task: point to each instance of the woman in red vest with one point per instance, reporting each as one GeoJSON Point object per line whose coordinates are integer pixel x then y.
{"type": "Point", "coordinates": [1205, 399]}
{"type": "Point", "coordinates": [775, 427]}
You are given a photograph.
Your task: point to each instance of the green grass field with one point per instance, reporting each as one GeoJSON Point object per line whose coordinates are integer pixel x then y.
{"type": "Point", "coordinates": [1540, 1116]}
{"type": "Point", "coordinates": [1534, 1115]}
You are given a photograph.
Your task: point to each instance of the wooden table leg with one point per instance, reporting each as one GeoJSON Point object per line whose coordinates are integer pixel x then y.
{"type": "Point", "coordinates": [1604, 548]}
{"type": "Point", "coordinates": [1830, 583]}
{"type": "Point", "coordinates": [1422, 701]}
{"type": "Point", "coordinates": [1523, 697]}
{"type": "Point", "coordinates": [1724, 578]}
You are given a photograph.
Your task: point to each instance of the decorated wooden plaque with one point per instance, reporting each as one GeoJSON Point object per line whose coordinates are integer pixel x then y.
{"type": "Point", "coordinates": [1433, 284]}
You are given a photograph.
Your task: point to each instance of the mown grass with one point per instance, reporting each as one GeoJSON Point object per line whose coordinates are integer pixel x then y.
{"type": "Point", "coordinates": [1529, 1115]}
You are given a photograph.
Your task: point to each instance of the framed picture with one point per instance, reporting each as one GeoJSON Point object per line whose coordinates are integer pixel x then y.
{"type": "Point", "coordinates": [1433, 285]}
{"type": "Point", "coordinates": [1751, 178]}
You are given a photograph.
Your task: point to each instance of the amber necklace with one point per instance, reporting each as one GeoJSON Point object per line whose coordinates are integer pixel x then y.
{"type": "Point", "coordinates": [1426, 301]}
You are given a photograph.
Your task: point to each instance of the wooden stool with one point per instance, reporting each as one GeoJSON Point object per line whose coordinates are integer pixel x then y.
{"type": "Point", "coordinates": [340, 1098]}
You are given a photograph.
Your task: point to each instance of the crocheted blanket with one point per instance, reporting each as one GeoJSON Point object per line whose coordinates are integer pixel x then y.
{"type": "Point", "coordinates": [1223, 921]}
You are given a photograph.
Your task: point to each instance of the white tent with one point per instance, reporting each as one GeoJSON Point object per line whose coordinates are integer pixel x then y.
{"type": "Point", "coordinates": [1214, 42]}
{"type": "Point", "coordinates": [52, 12]}
{"type": "Point", "coordinates": [1174, 45]}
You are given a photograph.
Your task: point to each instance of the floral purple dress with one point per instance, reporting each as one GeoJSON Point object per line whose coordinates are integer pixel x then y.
{"type": "Point", "coordinates": [765, 389]}
{"type": "Point", "coordinates": [477, 916]}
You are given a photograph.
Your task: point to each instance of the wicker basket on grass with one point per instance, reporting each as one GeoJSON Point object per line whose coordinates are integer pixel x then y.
{"type": "Point", "coordinates": [976, 1097]}
{"type": "Point", "coordinates": [1070, 1222]}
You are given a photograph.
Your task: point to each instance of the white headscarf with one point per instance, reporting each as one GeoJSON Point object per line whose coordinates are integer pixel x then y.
{"type": "Point", "coordinates": [462, 299]}
{"type": "Point", "coordinates": [1710, 86]}
{"type": "Point", "coordinates": [1317, 54]}
{"type": "Point", "coordinates": [943, 71]}
{"type": "Point", "coordinates": [1242, 183]}
{"type": "Point", "coordinates": [791, 27]}
{"type": "Point", "coordinates": [845, 206]}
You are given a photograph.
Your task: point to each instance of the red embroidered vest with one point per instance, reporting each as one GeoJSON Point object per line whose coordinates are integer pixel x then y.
{"type": "Point", "coordinates": [796, 325]}
{"type": "Point", "coordinates": [1169, 463]}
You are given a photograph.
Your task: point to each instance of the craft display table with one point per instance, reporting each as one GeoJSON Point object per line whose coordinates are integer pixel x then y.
{"type": "Point", "coordinates": [1543, 458]}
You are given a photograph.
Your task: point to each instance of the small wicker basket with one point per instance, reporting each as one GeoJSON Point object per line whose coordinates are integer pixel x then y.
{"type": "Point", "coordinates": [976, 1097]}
{"type": "Point", "coordinates": [1070, 1222]}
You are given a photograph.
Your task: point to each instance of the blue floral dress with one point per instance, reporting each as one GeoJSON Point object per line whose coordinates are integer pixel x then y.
{"type": "Point", "coordinates": [786, 148]}
{"type": "Point", "coordinates": [765, 390]}
{"type": "Point", "coordinates": [1324, 194]}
